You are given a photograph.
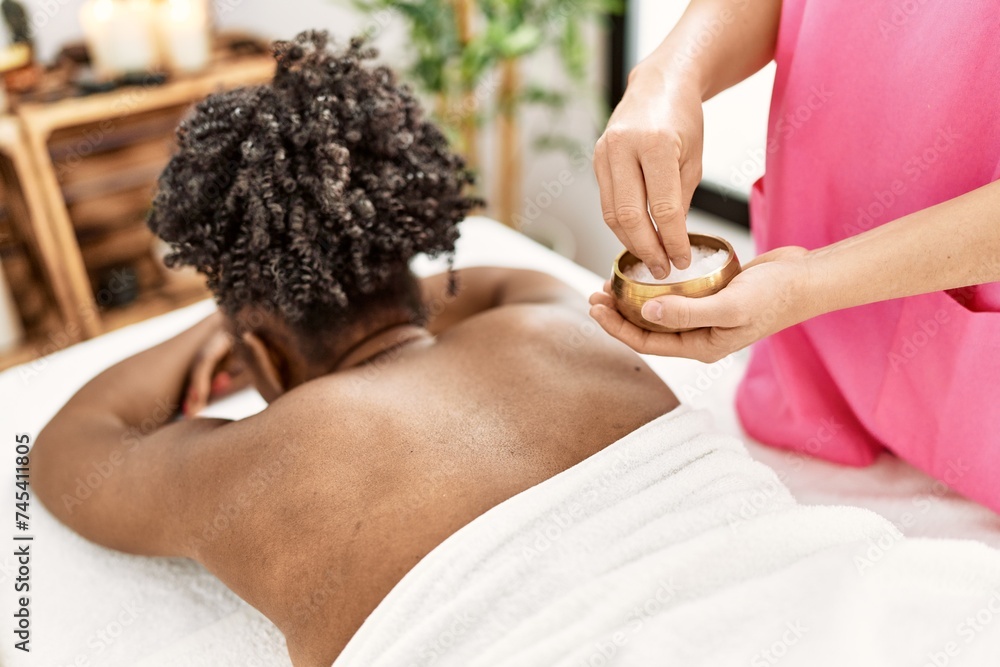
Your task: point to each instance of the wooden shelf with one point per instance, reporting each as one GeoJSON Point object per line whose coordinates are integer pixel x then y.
{"type": "Point", "coordinates": [83, 174]}
{"type": "Point", "coordinates": [180, 289]}
{"type": "Point", "coordinates": [45, 118]}
{"type": "Point", "coordinates": [28, 349]}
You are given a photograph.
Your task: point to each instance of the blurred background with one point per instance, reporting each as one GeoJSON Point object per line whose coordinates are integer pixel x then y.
{"type": "Point", "coordinates": [92, 91]}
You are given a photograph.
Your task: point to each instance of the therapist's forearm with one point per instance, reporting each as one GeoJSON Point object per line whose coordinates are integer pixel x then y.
{"type": "Point", "coordinates": [954, 244]}
{"type": "Point", "coordinates": [715, 45]}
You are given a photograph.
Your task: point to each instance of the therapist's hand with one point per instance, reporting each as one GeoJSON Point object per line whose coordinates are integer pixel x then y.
{"type": "Point", "coordinates": [770, 294]}
{"type": "Point", "coordinates": [651, 152]}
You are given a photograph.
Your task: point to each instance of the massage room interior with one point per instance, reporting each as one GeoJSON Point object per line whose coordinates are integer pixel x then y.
{"type": "Point", "coordinates": [497, 478]}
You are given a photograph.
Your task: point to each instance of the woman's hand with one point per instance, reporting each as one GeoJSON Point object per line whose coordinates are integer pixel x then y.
{"type": "Point", "coordinates": [770, 294]}
{"type": "Point", "coordinates": [214, 373]}
{"type": "Point", "coordinates": [651, 152]}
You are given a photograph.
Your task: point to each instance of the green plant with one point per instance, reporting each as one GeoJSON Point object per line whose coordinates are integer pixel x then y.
{"type": "Point", "coordinates": [465, 53]}
{"type": "Point", "coordinates": [456, 44]}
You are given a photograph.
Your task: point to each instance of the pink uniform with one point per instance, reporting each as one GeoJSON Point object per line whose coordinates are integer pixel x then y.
{"type": "Point", "coordinates": [882, 108]}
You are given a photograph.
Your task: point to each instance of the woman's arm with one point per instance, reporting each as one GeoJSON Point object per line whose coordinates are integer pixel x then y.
{"type": "Point", "coordinates": [951, 245]}
{"type": "Point", "coordinates": [484, 287]}
{"type": "Point", "coordinates": [717, 44]}
{"type": "Point", "coordinates": [151, 381]}
{"type": "Point", "coordinates": [107, 465]}
{"type": "Point", "coordinates": [648, 161]}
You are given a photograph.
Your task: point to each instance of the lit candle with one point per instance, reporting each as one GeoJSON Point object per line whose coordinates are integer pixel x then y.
{"type": "Point", "coordinates": [120, 35]}
{"type": "Point", "coordinates": [185, 38]}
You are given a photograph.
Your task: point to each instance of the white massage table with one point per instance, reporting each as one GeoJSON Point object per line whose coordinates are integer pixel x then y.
{"type": "Point", "coordinates": [92, 606]}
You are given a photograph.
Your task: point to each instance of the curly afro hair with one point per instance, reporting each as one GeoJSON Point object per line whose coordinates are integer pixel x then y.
{"type": "Point", "coordinates": [311, 194]}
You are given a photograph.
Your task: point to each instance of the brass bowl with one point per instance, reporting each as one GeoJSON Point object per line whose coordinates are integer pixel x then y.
{"type": "Point", "coordinates": [630, 295]}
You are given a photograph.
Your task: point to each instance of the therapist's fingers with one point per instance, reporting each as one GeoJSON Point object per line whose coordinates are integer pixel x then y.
{"type": "Point", "coordinates": [691, 173]}
{"type": "Point", "coordinates": [602, 170]}
{"type": "Point", "coordinates": [690, 344]}
{"type": "Point", "coordinates": [662, 173]}
{"type": "Point", "coordinates": [602, 298]}
{"type": "Point", "coordinates": [682, 312]}
{"type": "Point", "coordinates": [631, 211]}
{"type": "Point", "coordinates": [679, 312]}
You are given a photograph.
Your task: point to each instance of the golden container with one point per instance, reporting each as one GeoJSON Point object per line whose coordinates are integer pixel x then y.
{"type": "Point", "coordinates": [630, 295]}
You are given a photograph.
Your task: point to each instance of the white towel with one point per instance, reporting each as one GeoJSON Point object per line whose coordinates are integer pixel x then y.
{"type": "Point", "coordinates": [187, 617]}
{"type": "Point", "coordinates": [672, 546]}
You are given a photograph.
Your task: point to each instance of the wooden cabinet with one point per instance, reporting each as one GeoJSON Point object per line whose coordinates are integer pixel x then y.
{"type": "Point", "coordinates": [78, 179]}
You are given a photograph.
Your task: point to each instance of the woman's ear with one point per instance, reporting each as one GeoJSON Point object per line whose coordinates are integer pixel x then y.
{"type": "Point", "coordinates": [264, 366]}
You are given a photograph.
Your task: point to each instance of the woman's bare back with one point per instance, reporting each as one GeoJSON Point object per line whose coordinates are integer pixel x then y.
{"type": "Point", "coordinates": [376, 466]}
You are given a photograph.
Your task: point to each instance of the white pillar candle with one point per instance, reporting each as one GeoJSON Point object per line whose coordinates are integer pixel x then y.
{"type": "Point", "coordinates": [185, 36]}
{"type": "Point", "coordinates": [120, 35]}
